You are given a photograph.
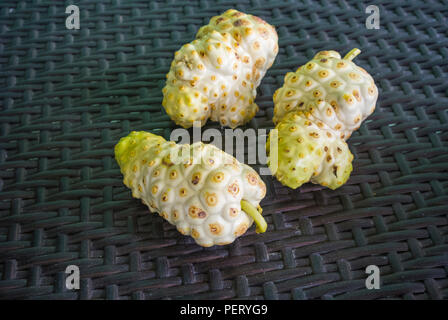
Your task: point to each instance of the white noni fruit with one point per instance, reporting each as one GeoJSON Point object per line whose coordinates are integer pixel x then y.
{"type": "Point", "coordinates": [203, 191]}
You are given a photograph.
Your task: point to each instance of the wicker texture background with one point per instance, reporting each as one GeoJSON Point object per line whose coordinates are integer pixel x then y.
{"type": "Point", "coordinates": [67, 96]}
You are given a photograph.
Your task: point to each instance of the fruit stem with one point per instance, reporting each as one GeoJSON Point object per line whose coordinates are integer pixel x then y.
{"type": "Point", "coordinates": [256, 215]}
{"type": "Point", "coordinates": [352, 54]}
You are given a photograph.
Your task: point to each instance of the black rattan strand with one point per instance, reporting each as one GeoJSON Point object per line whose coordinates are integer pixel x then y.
{"type": "Point", "coordinates": [67, 96]}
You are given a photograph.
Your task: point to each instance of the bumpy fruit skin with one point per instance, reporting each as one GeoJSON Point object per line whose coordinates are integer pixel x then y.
{"type": "Point", "coordinates": [309, 151]}
{"type": "Point", "coordinates": [216, 75]}
{"type": "Point", "coordinates": [316, 110]}
{"type": "Point", "coordinates": [198, 188]}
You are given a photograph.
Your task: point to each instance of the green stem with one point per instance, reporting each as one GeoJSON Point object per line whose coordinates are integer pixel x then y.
{"type": "Point", "coordinates": [256, 215]}
{"type": "Point", "coordinates": [352, 54]}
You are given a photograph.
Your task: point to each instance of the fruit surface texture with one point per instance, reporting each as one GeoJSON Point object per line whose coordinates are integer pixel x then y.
{"type": "Point", "coordinates": [203, 191]}
{"type": "Point", "coordinates": [217, 74]}
{"type": "Point", "coordinates": [316, 111]}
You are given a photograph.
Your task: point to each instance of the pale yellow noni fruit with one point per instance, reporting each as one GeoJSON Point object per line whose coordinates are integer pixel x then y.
{"type": "Point", "coordinates": [216, 75]}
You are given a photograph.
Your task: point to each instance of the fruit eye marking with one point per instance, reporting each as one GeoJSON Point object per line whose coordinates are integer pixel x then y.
{"type": "Point", "coordinates": [196, 178]}
{"type": "Point", "coordinates": [196, 212]}
{"type": "Point", "coordinates": [211, 199]}
{"type": "Point", "coordinates": [215, 228]}
{"type": "Point", "coordinates": [252, 179]}
{"type": "Point", "coordinates": [241, 229]}
{"type": "Point", "coordinates": [233, 212]}
{"type": "Point", "coordinates": [323, 73]}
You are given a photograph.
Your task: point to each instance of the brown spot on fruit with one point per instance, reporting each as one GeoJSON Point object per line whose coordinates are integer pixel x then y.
{"type": "Point", "coordinates": [183, 192]}
{"type": "Point", "coordinates": [310, 66]}
{"type": "Point", "coordinates": [233, 212]}
{"type": "Point", "coordinates": [353, 75]}
{"type": "Point", "coordinates": [215, 228]}
{"type": "Point", "coordinates": [196, 178]}
{"type": "Point", "coordinates": [211, 199]}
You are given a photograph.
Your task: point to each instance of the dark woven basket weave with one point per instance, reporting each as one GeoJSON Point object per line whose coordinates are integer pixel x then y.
{"type": "Point", "coordinates": [67, 96]}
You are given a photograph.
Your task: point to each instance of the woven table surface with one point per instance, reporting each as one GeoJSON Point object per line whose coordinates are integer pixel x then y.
{"type": "Point", "coordinates": [67, 96]}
